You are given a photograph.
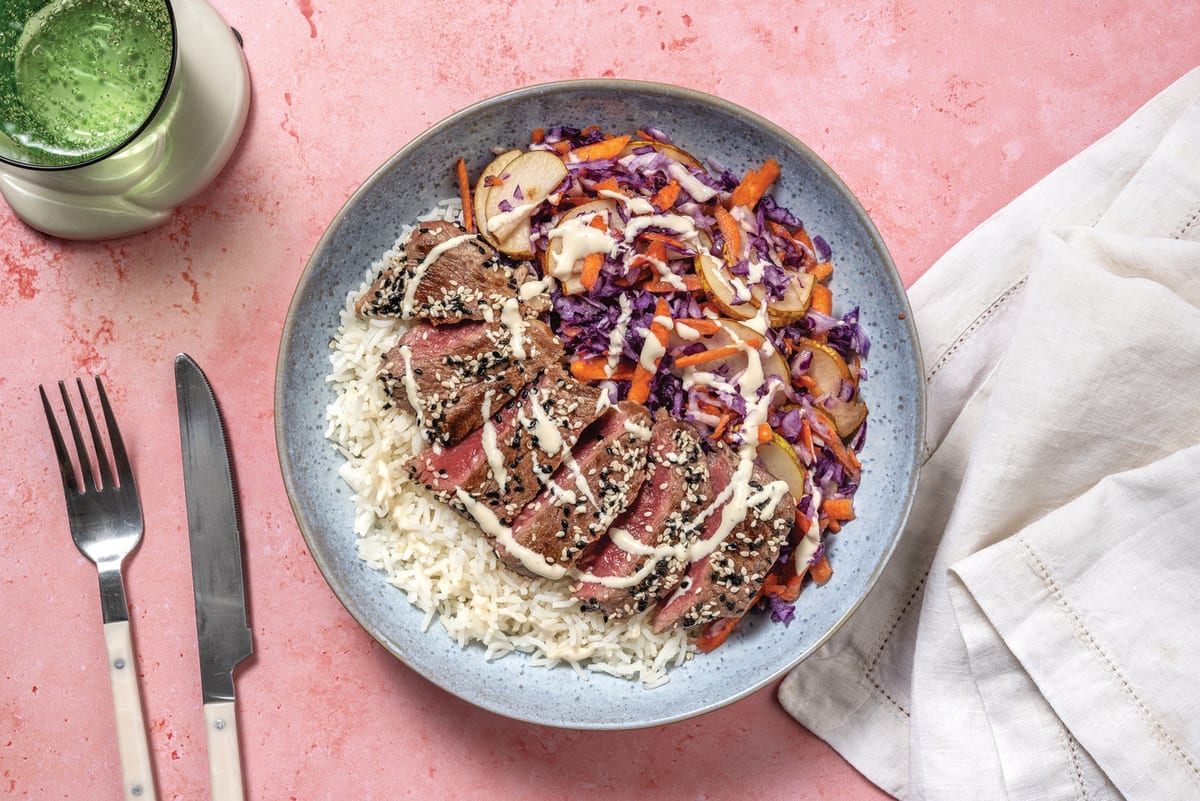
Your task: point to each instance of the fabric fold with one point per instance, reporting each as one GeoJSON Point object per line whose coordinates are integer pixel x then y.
{"type": "Point", "coordinates": [1062, 347]}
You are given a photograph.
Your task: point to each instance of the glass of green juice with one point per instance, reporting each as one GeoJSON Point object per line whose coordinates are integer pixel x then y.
{"type": "Point", "coordinates": [113, 113]}
{"type": "Point", "coordinates": [80, 79]}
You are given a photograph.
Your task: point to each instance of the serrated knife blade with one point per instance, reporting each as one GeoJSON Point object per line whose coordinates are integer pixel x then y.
{"type": "Point", "coordinates": [223, 636]}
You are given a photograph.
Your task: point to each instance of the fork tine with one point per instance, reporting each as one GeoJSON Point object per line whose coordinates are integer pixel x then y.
{"type": "Point", "coordinates": [106, 476]}
{"type": "Point", "coordinates": [85, 463]}
{"type": "Point", "coordinates": [60, 448]}
{"type": "Point", "coordinates": [120, 458]}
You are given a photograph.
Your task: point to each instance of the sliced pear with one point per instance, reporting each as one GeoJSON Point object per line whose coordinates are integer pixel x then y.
{"type": "Point", "coordinates": [828, 369]}
{"type": "Point", "coordinates": [779, 458]}
{"type": "Point", "coordinates": [730, 331]}
{"type": "Point", "coordinates": [718, 284]}
{"type": "Point", "coordinates": [671, 151]}
{"type": "Point", "coordinates": [482, 187]}
{"type": "Point", "coordinates": [533, 175]}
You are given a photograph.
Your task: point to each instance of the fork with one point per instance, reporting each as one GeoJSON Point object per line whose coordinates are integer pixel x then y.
{"type": "Point", "coordinates": [105, 517]}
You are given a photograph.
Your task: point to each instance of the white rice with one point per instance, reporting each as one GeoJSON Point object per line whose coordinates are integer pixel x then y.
{"type": "Point", "coordinates": [442, 560]}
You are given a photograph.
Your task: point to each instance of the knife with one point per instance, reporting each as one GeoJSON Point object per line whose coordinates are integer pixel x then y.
{"type": "Point", "coordinates": [222, 634]}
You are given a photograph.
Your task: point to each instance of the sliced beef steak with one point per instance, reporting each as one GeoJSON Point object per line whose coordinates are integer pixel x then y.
{"type": "Point", "coordinates": [749, 526]}
{"type": "Point", "coordinates": [587, 492]}
{"type": "Point", "coordinates": [659, 521]}
{"type": "Point", "coordinates": [445, 275]}
{"type": "Point", "coordinates": [504, 463]}
{"type": "Point", "coordinates": [451, 376]}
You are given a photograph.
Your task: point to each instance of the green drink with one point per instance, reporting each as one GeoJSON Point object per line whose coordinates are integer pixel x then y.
{"type": "Point", "coordinates": [80, 78]}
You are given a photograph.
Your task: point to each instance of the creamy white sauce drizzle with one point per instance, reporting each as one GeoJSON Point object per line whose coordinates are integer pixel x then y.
{"type": "Point", "coordinates": [690, 183]}
{"type": "Point", "coordinates": [410, 286]}
{"type": "Point", "coordinates": [491, 525]}
{"type": "Point", "coordinates": [491, 451]}
{"type": "Point", "coordinates": [504, 223]}
{"type": "Point", "coordinates": [635, 204]}
{"type": "Point", "coordinates": [577, 239]}
{"type": "Point", "coordinates": [616, 337]}
{"type": "Point", "coordinates": [684, 227]}
{"type": "Point", "coordinates": [410, 381]}
{"type": "Point", "coordinates": [511, 318]}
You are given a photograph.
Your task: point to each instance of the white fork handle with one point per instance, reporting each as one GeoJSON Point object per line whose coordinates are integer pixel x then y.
{"type": "Point", "coordinates": [224, 758]}
{"type": "Point", "coordinates": [127, 702]}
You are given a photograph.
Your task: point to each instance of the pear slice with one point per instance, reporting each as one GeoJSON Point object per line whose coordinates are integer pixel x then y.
{"type": "Point", "coordinates": [718, 283]}
{"type": "Point", "coordinates": [828, 369]}
{"type": "Point", "coordinates": [780, 460]}
{"type": "Point", "coordinates": [731, 331]}
{"type": "Point", "coordinates": [527, 181]}
{"type": "Point", "coordinates": [482, 187]}
{"type": "Point", "coordinates": [584, 212]}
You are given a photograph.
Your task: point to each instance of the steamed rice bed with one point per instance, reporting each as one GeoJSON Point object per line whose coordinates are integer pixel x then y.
{"type": "Point", "coordinates": [441, 560]}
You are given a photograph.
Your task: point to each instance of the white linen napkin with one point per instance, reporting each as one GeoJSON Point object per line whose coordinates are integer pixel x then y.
{"type": "Point", "coordinates": [1037, 633]}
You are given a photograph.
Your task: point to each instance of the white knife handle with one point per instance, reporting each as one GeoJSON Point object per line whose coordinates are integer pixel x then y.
{"type": "Point", "coordinates": [127, 702]}
{"type": "Point", "coordinates": [224, 759]}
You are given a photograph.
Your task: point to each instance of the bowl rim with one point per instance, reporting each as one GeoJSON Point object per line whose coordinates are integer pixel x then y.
{"type": "Point", "coordinates": [605, 86]}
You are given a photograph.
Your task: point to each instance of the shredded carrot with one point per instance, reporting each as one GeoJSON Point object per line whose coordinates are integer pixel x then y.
{"type": "Point", "coordinates": [764, 433]}
{"type": "Point", "coordinates": [755, 185]}
{"type": "Point", "coordinates": [801, 236]}
{"type": "Point", "coordinates": [604, 149]}
{"type": "Point", "coordinates": [821, 571]}
{"type": "Point", "coordinates": [493, 180]}
{"type": "Point", "coordinates": [700, 325]}
{"type": "Point", "coordinates": [845, 456]}
{"type": "Point", "coordinates": [464, 192]}
{"type": "Point", "coordinates": [822, 299]}
{"type": "Point", "coordinates": [639, 391]}
{"type": "Point", "coordinates": [690, 282]}
{"type": "Point", "coordinates": [731, 233]}
{"type": "Point", "coordinates": [593, 262]}
{"type": "Point", "coordinates": [821, 270]}
{"type": "Point", "coordinates": [806, 438]}
{"type": "Point", "coordinates": [667, 240]}
{"type": "Point", "coordinates": [538, 136]}
{"type": "Point", "coordinates": [715, 354]}
{"type": "Point", "coordinates": [665, 198]}
{"type": "Point", "coordinates": [595, 368]}
{"type": "Point", "coordinates": [840, 509]}
{"type": "Point", "coordinates": [719, 430]}
{"type": "Point", "coordinates": [609, 184]}
{"type": "Point", "coordinates": [561, 147]}
{"type": "Point", "coordinates": [716, 633]}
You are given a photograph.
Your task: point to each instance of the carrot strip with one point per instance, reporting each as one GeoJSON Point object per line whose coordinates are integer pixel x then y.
{"type": "Point", "coordinates": [731, 233]}
{"type": "Point", "coordinates": [538, 136]}
{"type": "Point", "coordinates": [821, 270]}
{"type": "Point", "coordinates": [593, 262]}
{"type": "Point", "coordinates": [716, 633]}
{"type": "Point", "coordinates": [719, 430]}
{"type": "Point", "coordinates": [691, 283]}
{"type": "Point", "coordinates": [715, 354]}
{"type": "Point", "coordinates": [840, 509]}
{"type": "Point", "coordinates": [665, 198]}
{"type": "Point", "coordinates": [806, 438]}
{"type": "Point", "coordinates": [464, 192]}
{"type": "Point", "coordinates": [755, 185]}
{"type": "Point", "coordinates": [595, 368]}
{"type": "Point", "coordinates": [821, 571]}
{"type": "Point", "coordinates": [764, 433]}
{"type": "Point", "coordinates": [801, 236]}
{"type": "Point", "coordinates": [822, 299]}
{"type": "Point", "coordinates": [700, 325]}
{"type": "Point", "coordinates": [604, 149]}
{"type": "Point", "coordinates": [844, 455]}
{"type": "Point", "coordinates": [561, 147]}
{"type": "Point", "coordinates": [639, 390]}
{"type": "Point", "coordinates": [609, 184]}
{"type": "Point", "coordinates": [667, 240]}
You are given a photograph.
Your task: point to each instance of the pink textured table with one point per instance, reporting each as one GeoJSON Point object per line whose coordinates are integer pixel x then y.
{"type": "Point", "coordinates": [935, 113]}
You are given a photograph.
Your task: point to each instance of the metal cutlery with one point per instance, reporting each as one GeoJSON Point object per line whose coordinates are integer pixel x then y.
{"type": "Point", "coordinates": [223, 636]}
{"type": "Point", "coordinates": [105, 517]}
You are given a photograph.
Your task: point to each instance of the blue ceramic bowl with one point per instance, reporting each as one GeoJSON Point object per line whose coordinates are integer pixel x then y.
{"type": "Point", "coordinates": [410, 183]}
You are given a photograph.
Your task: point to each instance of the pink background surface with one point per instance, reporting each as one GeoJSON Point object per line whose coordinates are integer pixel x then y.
{"type": "Point", "coordinates": [935, 113]}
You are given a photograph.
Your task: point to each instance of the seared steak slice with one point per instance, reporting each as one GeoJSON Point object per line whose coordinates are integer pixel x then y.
{"type": "Point", "coordinates": [445, 275]}
{"type": "Point", "coordinates": [504, 463]}
{"type": "Point", "coordinates": [587, 492]}
{"type": "Point", "coordinates": [451, 376]}
{"type": "Point", "coordinates": [661, 518]}
{"type": "Point", "coordinates": [757, 514]}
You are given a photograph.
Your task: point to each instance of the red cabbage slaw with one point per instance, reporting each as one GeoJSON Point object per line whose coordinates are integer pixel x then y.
{"type": "Point", "coordinates": [657, 190]}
